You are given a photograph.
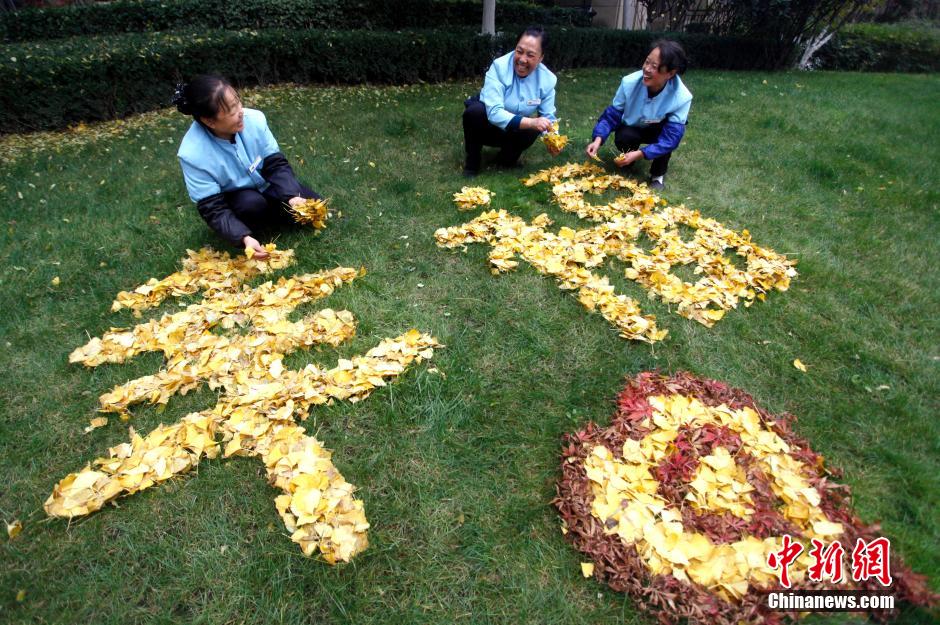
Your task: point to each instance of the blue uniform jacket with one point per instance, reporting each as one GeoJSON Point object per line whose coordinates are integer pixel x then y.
{"type": "Point", "coordinates": [212, 165]}
{"type": "Point", "coordinates": [632, 106]}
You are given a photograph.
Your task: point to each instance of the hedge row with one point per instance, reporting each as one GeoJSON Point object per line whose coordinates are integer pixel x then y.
{"type": "Point", "coordinates": [883, 48]}
{"type": "Point", "coordinates": [125, 16]}
{"type": "Point", "coordinates": [54, 84]}
{"type": "Point", "coordinates": [596, 47]}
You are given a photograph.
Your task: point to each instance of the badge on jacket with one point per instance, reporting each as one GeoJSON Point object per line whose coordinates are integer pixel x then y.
{"type": "Point", "coordinates": [254, 165]}
{"type": "Point", "coordinates": [534, 102]}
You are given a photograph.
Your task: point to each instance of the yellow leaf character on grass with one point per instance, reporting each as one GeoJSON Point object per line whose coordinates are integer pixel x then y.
{"type": "Point", "coordinates": [258, 399]}
{"type": "Point", "coordinates": [205, 270]}
{"type": "Point", "coordinates": [570, 255]}
{"type": "Point", "coordinates": [799, 365]}
{"type": "Point", "coordinates": [555, 255]}
{"type": "Point", "coordinates": [561, 172]}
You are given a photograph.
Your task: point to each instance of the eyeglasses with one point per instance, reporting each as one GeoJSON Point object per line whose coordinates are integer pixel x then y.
{"type": "Point", "coordinates": [651, 65]}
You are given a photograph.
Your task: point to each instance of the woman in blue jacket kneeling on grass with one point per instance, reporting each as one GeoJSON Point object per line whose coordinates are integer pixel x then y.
{"type": "Point", "coordinates": [233, 168]}
{"type": "Point", "coordinates": [652, 107]}
{"type": "Point", "coordinates": [516, 105]}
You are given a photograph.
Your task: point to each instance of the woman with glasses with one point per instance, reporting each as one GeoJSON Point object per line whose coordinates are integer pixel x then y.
{"type": "Point", "coordinates": [651, 107]}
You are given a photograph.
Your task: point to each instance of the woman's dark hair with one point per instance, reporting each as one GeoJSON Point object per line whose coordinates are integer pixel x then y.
{"type": "Point", "coordinates": [203, 96]}
{"type": "Point", "coordinates": [536, 31]}
{"type": "Point", "coordinates": [671, 55]}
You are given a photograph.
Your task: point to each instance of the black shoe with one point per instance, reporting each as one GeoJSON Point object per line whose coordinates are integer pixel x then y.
{"type": "Point", "coordinates": [656, 185]}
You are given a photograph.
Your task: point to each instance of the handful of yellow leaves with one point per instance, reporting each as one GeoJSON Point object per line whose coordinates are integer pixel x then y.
{"type": "Point", "coordinates": [554, 141]}
{"type": "Point", "coordinates": [470, 197]}
{"type": "Point", "coordinates": [311, 213]}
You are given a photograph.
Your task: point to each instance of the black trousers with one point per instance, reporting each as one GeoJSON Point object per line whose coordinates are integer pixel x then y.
{"type": "Point", "coordinates": [262, 211]}
{"type": "Point", "coordinates": [478, 131]}
{"type": "Point", "coordinates": [629, 138]}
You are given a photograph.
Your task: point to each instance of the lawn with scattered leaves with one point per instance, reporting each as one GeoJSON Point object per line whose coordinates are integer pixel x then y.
{"type": "Point", "coordinates": [838, 171]}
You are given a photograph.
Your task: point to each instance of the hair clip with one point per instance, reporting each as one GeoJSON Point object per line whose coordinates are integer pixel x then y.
{"type": "Point", "coordinates": [178, 95]}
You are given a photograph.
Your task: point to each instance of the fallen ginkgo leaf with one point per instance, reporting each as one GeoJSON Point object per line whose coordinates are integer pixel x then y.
{"type": "Point", "coordinates": [14, 529]}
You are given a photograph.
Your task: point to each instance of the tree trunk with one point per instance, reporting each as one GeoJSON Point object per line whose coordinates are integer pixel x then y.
{"type": "Point", "coordinates": [815, 42]}
{"type": "Point", "coordinates": [489, 17]}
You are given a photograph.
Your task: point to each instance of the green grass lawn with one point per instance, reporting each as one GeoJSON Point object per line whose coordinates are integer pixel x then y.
{"type": "Point", "coordinates": [837, 170]}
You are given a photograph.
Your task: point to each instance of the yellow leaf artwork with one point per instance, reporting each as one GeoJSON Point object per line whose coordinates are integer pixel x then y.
{"type": "Point", "coordinates": [799, 365]}
{"type": "Point", "coordinates": [470, 197]}
{"type": "Point", "coordinates": [569, 255]}
{"type": "Point", "coordinates": [235, 340]}
{"type": "Point", "coordinates": [628, 501]}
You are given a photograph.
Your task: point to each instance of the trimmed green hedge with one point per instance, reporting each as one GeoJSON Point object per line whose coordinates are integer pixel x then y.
{"type": "Point", "coordinates": [596, 47]}
{"type": "Point", "coordinates": [125, 16]}
{"type": "Point", "coordinates": [56, 83]}
{"type": "Point", "coordinates": [883, 48]}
